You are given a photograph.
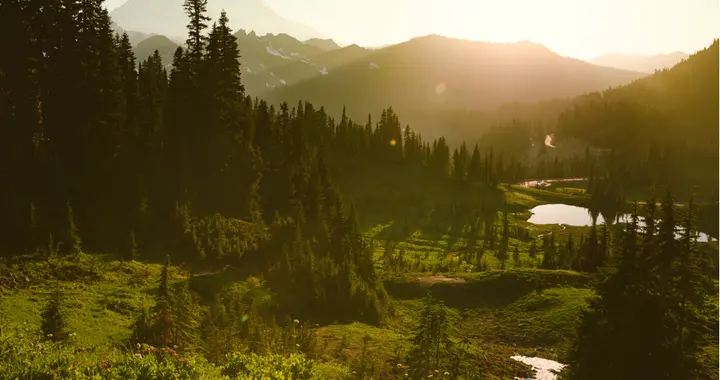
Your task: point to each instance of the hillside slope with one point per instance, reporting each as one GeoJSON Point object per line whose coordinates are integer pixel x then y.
{"type": "Point", "coordinates": [277, 60]}
{"type": "Point", "coordinates": [162, 44]}
{"type": "Point", "coordinates": [685, 98]}
{"type": "Point", "coordinates": [666, 123]}
{"type": "Point", "coordinates": [269, 60]}
{"type": "Point", "coordinates": [435, 73]}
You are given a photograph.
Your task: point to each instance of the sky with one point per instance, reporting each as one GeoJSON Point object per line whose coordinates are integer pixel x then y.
{"type": "Point", "coordinates": [582, 29]}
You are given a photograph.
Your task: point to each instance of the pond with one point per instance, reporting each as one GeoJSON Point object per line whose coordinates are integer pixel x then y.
{"type": "Point", "coordinates": [544, 369]}
{"type": "Point", "coordinates": [548, 182]}
{"type": "Point", "coordinates": [578, 216]}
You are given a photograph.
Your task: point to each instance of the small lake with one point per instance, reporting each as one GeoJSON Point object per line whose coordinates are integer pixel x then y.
{"type": "Point", "coordinates": [548, 182]}
{"type": "Point", "coordinates": [578, 216]}
{"type": "Point", "coordinates": [544, 369]}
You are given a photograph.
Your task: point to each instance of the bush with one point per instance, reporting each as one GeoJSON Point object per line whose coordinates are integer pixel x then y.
{"type": "Point", "coordinates": [270, 367]}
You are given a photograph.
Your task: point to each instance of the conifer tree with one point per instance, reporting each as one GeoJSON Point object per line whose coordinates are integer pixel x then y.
{"type": "Point", "coordinates": [131, 249]}
{"type": "Point", "coordinates": [71, 241]}
{"type": "Point", "coordinates": [53, 318]}
{"type": "Point", "coordinates": [195, 10]}
{"type": "Point", "coordinates": [187, 316]}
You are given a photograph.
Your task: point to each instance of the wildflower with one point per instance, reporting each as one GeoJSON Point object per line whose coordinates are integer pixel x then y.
{"type": "Point", "coordinates": [103, 364]}
{"type": "Point", "coordinates": [436, 371]}
{"type": "Point", "coordinates": [49, 335]}
{"type": "Point", "coordinates": [174, 347]}
{"type": "Point", "coordinates": [297, 345]}
{"type": "Point", "coordinates": [446, 373]}
{"type": "Point", "coordinates": [139, 355]}
{"type": "Point", "coordinates": [399, 365]}
{"type": "Point", "coordinates": [138, 346]}
{"type": "Point", "coordinates": [296, 321]}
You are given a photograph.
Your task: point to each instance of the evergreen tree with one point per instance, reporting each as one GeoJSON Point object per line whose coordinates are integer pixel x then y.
{"type": "Point", "coordinates": [195, 10]}
{"type": "Point", "coordinates": [53, 318]}
{"type": "Point", "coordinates": [131, 250]}
{"type": "Point", "coordinates": [637, 317]}
{"type": "Point", "coordinates": [71, 239]}
{"type": "Point", "coordinates": [187, 316]}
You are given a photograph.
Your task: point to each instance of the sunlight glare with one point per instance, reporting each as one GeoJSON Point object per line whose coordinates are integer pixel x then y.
{"type": "Point", "coordinates": [440, 88]}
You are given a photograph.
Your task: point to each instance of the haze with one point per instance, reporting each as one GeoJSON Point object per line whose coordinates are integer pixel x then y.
{"type": "Point", "coordinates": [582, 29]}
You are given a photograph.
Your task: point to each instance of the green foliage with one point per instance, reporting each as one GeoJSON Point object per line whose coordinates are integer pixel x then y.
{"type": "Point", "coordinates": [54, 361]}
{"type": "Point", "coordinates": [53, 319]}
{"type": "Point", "coordinates": [273, 367]}
{"type": "Point", "coordinates": [653, 306]}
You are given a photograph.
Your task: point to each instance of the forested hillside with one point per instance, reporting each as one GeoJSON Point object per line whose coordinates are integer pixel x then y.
{"type": "Point", "coordinates": [428, 75]}
{"type": "Point", "coordinates": [161, 223]}
{"type": "Point", "coordinates": [664, 126]}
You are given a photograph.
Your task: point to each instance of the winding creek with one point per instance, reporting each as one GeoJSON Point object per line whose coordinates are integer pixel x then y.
{"type": "Point", "coordinates": [545, 369]}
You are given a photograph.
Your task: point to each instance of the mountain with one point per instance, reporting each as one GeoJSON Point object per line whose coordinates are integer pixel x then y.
{"type": "Point", "coordinates": [641, 63]}
{"type": "Point", "coordinates": [135, 37]}
{"type": "Point", "coordinates": [270, 60]}
{"type": "Point", "coordinates": [670, 118]}
{"type": "Point", "coordinates": [424, 77]}
{"type": "Point", "coordinates": [162, 44]}
{"type": "Point", "coordinates": [324, 44]}
{"type": "Point", "coordinates": [168, 18]}
{"type": "Point", "coordinates": [276, 60]}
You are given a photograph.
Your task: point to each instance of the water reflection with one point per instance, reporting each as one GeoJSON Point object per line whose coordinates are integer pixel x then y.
{"type": "Point", "coordinates": [580, 216]}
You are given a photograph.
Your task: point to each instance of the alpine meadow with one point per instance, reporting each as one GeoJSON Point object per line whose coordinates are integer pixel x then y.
{"type": "Point", "coordinates": [235, 205]}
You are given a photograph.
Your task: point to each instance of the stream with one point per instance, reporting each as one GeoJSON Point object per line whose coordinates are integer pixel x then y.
{"type": "Point", "coordinates": [545, 369]}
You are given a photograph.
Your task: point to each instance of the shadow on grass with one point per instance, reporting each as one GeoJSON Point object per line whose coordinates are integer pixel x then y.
{"type": "Point", "coordinates": [494, 289]}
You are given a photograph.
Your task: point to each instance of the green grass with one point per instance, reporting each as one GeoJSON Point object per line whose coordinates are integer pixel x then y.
{"type": "Point", "coordinates": [501, 313]}
{"type": "Point", "coordinates": [498, 311]}
{"type": "Point", "coordinates": [101, 303]}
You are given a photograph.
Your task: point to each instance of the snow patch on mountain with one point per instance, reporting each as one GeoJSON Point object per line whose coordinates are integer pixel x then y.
{"type": "Point", "coordinates": [283, 82]}
{"type": "Point", "coordinates": [294, 54]}
{"type": "Point", "coordinates": [374, 65]}
{"type": "Point", "coordinates": [268, 85]}
{"type": "Point", "coordinates": [276, 53]}
{"type": "Point", "coordinates": [248, 70]}
{"type": "Point", "coordinates": [324, 71]}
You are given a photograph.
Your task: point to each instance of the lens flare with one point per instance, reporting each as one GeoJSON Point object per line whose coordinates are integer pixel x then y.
{"type": "Point", "coordinates": [440, 88]}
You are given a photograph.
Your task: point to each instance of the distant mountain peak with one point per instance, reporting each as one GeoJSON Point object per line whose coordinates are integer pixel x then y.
{"type": "Point", "coordinates": [167, 17]}
{"type": "Point", "coordinates": [639, 62]}
{"type": "Point", "coordinates": [326, 44]}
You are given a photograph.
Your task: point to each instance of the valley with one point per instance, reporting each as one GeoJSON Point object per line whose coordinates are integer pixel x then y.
{"type": "Point", "coordinates": [190, 199]}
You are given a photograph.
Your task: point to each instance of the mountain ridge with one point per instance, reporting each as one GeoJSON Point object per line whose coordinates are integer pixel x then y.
{"type": "Point", "coordinates": [431, 73]}
{"type": "Point", "coordinates": [639, 62]}
{"type": "Point", "coordinates": [167, 17]}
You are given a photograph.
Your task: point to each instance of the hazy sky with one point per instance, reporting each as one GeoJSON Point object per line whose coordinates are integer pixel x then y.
{"type": "Point", "coordinates": [577, 28]}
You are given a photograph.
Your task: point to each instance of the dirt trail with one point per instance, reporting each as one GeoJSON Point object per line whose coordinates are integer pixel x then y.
{"type": "Point", "coordinates": [436, 279]}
